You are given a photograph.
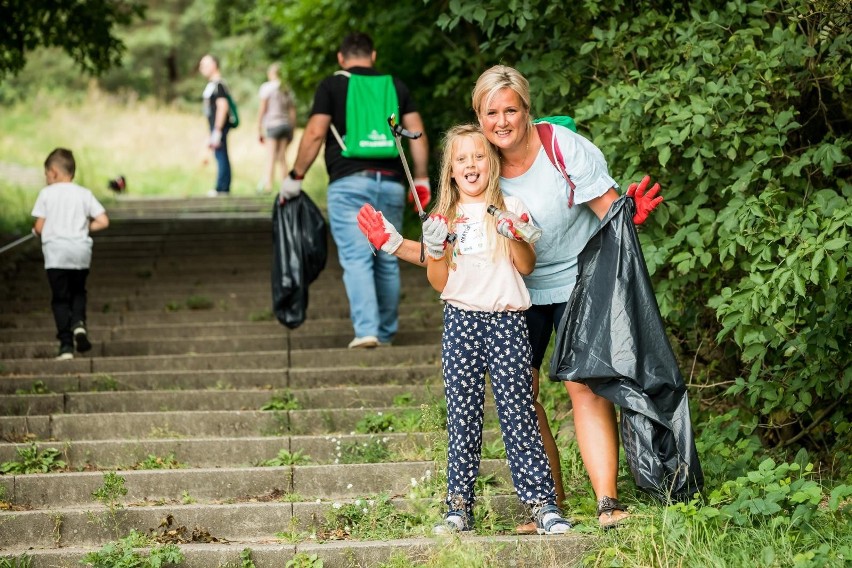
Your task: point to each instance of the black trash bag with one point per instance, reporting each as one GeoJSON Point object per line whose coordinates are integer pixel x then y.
{"type": "Point", "coordinates": [612, 339]}
{"type": "Point", "coordinates": [300, 249]}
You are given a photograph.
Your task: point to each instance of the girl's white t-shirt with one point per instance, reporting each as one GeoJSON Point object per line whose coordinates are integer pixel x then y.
{"type": "Point", "coordinates": [480, 280]}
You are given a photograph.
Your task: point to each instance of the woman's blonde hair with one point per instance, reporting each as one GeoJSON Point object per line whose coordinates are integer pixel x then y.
{"type": "Point", "coordinates": [495, 79]}
{"type": "Point", "coordinates": [448, 189]}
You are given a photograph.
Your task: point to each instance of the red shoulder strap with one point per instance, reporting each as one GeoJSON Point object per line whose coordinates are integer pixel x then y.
{"type": "Point", "coordinates": [551, 148]}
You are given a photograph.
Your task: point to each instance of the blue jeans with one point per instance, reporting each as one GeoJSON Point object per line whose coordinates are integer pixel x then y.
{"type": "Point", "coordinates": [223, 164]}
{"type": "Point", "coordinates": [371, 280]}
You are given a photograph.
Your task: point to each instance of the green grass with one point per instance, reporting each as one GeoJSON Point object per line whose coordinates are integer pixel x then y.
{"type": "Point", "coordinates": [16, 202]}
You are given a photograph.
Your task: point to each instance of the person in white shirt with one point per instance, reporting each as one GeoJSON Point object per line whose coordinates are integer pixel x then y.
{"type": "Point", "coordinates": [65, 213]}
{"type": "Point", "coordinates": [480, 280]}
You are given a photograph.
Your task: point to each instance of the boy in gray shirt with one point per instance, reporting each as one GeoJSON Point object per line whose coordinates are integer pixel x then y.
{"type": "Point", "coordinates": [65, 215]}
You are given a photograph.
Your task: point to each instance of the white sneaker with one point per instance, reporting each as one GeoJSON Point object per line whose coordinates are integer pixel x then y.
{"type": "Point", "coordinates": [549, 520]}
{"type": "Point", "coordinates": [212, 193]}
{"type": "Point", "coordinates": [64, 356]}
{"type": "Point", "coordinates": [453, 522]}
{"type": "Point", "coordinates": [367, 341]}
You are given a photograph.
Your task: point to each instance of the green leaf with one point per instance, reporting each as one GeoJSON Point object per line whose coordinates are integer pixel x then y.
{"type": "Point", "coordinates": [664, 155]}
{"type": "Point", "coordinates": [798, 285]}
{"type": "Point", "coordinates": [838, 494]}
{"type": "Point", "coordinates": [837, 243]}
{"type": "Point", "coordinates": [831, 268]}
{"type": "Point", "coordinates": [587, 47]}
{"type": "Point", "coordinates": [819, 254]}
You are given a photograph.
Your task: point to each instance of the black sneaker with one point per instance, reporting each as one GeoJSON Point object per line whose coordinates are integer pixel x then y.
{"type": "Point", "coordinates": [66, 353]}
{"type": "Point", "coordinates": [81, 338]}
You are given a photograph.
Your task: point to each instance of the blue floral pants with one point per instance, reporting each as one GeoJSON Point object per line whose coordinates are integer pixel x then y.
{"type": "Point", "coordinates": [472, 343]}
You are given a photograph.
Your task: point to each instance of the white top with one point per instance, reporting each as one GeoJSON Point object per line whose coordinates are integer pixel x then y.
{"type": "Point", "coordinates": [564, 231]}
{"type": "Point", "coordinates": [479, 280]}
{"type": "Point", "coordinates": [66, 209]}
{"type": "Point", "coordinates": [278, 108]}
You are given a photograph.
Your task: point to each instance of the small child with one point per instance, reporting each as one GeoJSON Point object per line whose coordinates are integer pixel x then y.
{"type": "Point", "coordinates": [65, 215]}
{"type": "Point", "coordinates": [485, 328]}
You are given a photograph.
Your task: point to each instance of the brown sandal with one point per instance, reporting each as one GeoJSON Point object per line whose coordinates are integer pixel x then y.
{"type": "Point", "coordinates": [526, 528]}
{"type": "Point", "coordinates": [608, 505]}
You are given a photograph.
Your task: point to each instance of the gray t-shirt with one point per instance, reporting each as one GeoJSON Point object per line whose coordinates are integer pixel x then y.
{"type": "Point", "coordinates": [564, 230]}
{"type": "Point", "coordinates": [66, 209]}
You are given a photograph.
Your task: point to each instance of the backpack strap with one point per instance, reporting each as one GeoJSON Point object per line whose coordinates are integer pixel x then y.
{"type": "Point", "coordinates": [334, 131]}
{"type": "Point", "coordinates": [551, 148]}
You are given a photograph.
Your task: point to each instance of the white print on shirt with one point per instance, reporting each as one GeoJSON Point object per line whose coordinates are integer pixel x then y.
{"type": "Point", "coordinates": [471, 237]}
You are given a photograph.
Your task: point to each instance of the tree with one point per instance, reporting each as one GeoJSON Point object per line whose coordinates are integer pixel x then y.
{"type": "Point", "coordinates": [85, 30]}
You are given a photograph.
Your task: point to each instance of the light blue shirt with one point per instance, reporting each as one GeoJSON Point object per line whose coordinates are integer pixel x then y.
{"type": "Point", "coordinates": [565, 230]}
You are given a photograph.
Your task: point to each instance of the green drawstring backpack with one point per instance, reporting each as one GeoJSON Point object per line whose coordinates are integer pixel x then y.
{"type": "Point", "coordinates": [370, 100]}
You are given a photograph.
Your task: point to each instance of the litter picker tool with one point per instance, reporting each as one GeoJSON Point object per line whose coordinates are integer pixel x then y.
{"type": "Point", "coordinates": [14, 244]}
{"type": "Point", "coordinates": [398, 133]}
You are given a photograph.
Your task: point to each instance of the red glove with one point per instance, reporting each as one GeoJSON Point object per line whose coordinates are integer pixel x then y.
{"type": "Point", "coordinates": [645, 202]}
{"type": "Point", "coordinates": [424, 193]}
{"type": "Point", "coordinates": [381, 234]}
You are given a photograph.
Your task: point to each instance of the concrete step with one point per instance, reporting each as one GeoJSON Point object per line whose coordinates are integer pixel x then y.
{"type": "Point", "coordinates": [87, 455]}
{"type": "Point", "coordinates": [200, 344]}
{"type": "Point", "coordinates": [430, 319]}
{"type": "Point", "coordinates": [317, 310]}
{"type": "Point", "coordinates": [93, 524]}
{"type": "Point", "coordinates": [197, 400]}
{"type": "Point", "coordinates": [56, 492]}
{"type": "Point", "coordinates": [234, 299]}
{"type": "Point", "coordinates": [202, 423]}
{"type": "Point", "coordinates": [278, 359]}
{"type": "Point", "coordinates": [221, 379]}
{"type": "Point", "coordinates": [139, 280]}
{"type": "Point", "coordinates": [505, 550]}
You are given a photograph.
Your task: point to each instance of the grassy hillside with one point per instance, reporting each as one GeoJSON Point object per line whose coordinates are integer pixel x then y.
{"type": "Point", "coordinates": [159, 149]}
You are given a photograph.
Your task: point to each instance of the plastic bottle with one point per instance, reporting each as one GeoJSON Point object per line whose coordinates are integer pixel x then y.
{"type": "Point", "coordinates": [527, 231]}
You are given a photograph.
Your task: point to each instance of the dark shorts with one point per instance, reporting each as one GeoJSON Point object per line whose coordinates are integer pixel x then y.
{"type": "Point", "coordinates": [283, 132]}
{"type": "Point", "coordinates": [541, 321]}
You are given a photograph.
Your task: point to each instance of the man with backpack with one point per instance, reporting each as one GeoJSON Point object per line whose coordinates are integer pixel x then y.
{"type": "Point", "coordinates": [221, 116]}
{"type": "Point", "coordinates": [350, 116]}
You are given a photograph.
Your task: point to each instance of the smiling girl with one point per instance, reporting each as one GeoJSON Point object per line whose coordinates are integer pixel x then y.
{"type": "Point", "coordinates": [479, 277]}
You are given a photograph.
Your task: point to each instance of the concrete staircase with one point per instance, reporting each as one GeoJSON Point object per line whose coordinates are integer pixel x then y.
{"type": "Point", "coordinates": [190, 370]}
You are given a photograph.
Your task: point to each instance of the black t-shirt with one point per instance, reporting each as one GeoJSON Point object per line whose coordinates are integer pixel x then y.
{"type": "Point", "coordinates": [214, 90]}
{"type": "Point", "coordinates": [330, 99]}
